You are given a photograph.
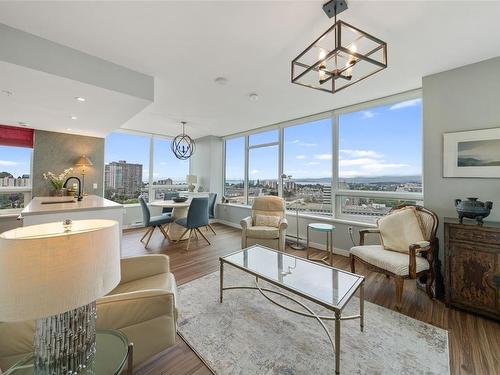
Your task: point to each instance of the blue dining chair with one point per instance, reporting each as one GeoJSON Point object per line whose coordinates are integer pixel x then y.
{"type": "Point", "coordinates": [167, 196]}
{"type": "Point", "coordinates": [212, 198]}
{"type": "Point", "coordinates": [196, 218]}
{"type": "Point", "coordinates": [152, 222]}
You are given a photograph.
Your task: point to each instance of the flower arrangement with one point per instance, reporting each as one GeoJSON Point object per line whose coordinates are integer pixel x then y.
{"type": "Point", "coordinates": [57, 182]}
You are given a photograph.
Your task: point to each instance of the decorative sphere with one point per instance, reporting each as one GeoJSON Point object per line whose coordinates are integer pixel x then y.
{"type": "Point", "coordinates": [183, 146]}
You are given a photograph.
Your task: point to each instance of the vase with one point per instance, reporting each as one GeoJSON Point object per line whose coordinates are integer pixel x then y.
{"type": "Point", "coordinates": [58, 192]}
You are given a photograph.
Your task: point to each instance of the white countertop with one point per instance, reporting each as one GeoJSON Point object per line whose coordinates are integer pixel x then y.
{"type": "Point", "coordinates": [89, 203]}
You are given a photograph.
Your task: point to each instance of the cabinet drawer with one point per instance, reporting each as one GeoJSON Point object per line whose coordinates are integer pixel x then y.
{"type": "Point", "coordinates": [474, 235]}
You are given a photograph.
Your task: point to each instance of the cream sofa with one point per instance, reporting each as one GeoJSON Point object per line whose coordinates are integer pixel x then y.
{"type": "Point", "coordinates": [273, 237]}
{"type": "Point", "coordinates": [142, 306]}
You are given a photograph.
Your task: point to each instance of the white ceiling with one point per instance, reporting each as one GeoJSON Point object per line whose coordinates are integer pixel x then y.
{"type": "Point", "coordinates": [186, 45]}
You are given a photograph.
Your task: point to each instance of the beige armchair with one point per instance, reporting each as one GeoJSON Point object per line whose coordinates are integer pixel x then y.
{"type": "Point", "coordinates": [414, 259]}
{"type": "Point", "coordinates": [142, 306]}
{"type": "Point", "coordinates": [270, 236]}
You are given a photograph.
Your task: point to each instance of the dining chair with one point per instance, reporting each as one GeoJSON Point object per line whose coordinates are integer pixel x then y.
{"type": "Point", "coordinates": [152, 222]}
{"type": "Point", "coordinates": [197, 217]}
{"type": "Point", "coordinates": [167, 196]}
{"type": "Point", "coordinates": [212, 198]}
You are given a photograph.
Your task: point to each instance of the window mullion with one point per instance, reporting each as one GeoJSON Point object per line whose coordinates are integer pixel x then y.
{"type": "Point", "coordinates": [245, 183]}
{"type": "Point", "coordinates": [335, 163]}
{"type": "Point", "coordinates": [151, 191]}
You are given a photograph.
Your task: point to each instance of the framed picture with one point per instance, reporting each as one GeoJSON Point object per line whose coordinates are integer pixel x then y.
{"type": "Point", "coordinates": [474, 153]}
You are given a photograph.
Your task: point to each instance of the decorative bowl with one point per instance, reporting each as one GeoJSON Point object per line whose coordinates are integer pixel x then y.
{"type": "Point", "coordinates": [473, 209]}
{"type": "Point", "coordinates": [180, 199]}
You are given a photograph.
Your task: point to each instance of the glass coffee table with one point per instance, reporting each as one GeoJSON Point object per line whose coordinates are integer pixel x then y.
{"type": "Point", "coordinates": [112, 352]}
{"type": "Point", "coordinates": [326, 286]}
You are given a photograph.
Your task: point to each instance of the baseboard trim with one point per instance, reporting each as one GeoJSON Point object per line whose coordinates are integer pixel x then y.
{"type": "Point", "coordinates": [314, 245]}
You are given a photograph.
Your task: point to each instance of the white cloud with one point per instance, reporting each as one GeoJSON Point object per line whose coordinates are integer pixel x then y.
{"type": "Point", "coordinates": [7, 163]}
{"type": "Point", "coordinates": [367, 114]}
{"type": "Point", "coordinates": [366, 167]}
{"type": "Point", "coordinates": [361, 153]}
{"type": "Point", "coordinates": [254, 171]}
{"type": "Point", "coordinates": [300, 157]}
{"type": "Point", "coordinates": [323, 156]}
{"type": "Point", "coordinates": [303, 144]}
{"type": "Point", "coordinates": [313, 163]}
{"type": "Point", "coordinates": [359, 161]}
{"type": "Point", "coordinates": [406, 104]}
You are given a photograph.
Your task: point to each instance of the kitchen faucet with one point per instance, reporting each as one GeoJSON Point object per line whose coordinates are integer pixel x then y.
{"type": "Point", "coordinates": [79, 197]}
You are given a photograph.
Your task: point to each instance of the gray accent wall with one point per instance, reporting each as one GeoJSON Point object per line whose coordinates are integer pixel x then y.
{"type": "Point", "coordinates": [57, 151]}
{"type": "Point", "coordinates": [466, 98]}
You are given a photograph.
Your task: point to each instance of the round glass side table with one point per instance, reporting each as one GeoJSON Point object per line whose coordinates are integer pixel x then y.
{"type": "Point", "coordinates": [328, 229]}
{"type": "Point", "coordinates": [113, 351]}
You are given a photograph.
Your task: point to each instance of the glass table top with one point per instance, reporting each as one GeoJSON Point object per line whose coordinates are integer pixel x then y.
{"type": "Point", "coordinates": [325, 285]}
{"type": "Point", "coordinates": [322, 227]}
{"type": "Point", "coordinates": [111, 356]}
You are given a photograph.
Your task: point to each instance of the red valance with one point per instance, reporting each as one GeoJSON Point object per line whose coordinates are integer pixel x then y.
{"type": "Point", "coordinates": [18, 137]}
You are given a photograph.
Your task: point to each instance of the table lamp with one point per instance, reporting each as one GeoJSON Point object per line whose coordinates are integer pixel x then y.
{"type": "Point", "coordinates": [54, 273]}
{"type": "Point", "coordinates": [191, 179]}
{"type": "Point", "coordinates": [82, 163]}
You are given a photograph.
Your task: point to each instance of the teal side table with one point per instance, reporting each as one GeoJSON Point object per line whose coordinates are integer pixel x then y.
{"type": "Point", "coordinates": [328, 229]}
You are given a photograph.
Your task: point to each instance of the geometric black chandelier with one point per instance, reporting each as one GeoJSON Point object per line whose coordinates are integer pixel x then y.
{"type": "Point", "coordinates": [340, 57]}
{"type": "Point", "coordinates": [183, 145]}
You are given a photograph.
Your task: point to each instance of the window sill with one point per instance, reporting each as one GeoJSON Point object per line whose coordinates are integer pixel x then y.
{"type": "Point", "coordinates": [329, 219]}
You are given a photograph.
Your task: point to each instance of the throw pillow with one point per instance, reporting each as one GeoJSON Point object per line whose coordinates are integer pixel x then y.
{"type": "Point", "coordinates": [400, 229]}
{"type": "Point", "coordinates": [267, 221]}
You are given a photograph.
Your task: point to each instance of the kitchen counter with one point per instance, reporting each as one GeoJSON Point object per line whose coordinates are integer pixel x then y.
{"type": "Point", "coordinates": [47, 205]}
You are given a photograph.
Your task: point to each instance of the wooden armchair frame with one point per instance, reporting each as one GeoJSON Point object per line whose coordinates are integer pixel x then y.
{"type": "Point", "coordinates": [427, 248]}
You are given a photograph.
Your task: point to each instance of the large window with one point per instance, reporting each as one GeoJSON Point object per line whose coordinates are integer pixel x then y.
{"type": "Point", "coordinates": [355, 163]}
{"type": "Point", "coordinates": [141, 165]}
{"type": "Point", "coordinates": [307, 162]}
{"type": "Point", "coordinates": [234, 181]}
{"type": "Point", "coordinates": [380, 151]}
{"type": "Point", "coordinates": [15, 177]}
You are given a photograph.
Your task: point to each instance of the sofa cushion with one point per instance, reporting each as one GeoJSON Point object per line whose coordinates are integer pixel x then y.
{"type": "Point", "coordinates": [263, 232]}
{"type": "Point", "coordinates": [400, 229]}
{"type": "Point", "coordinates": [164, 281]}
{"type": "Point", "coordinates": [392, 261]}
{"type": "Point", "coordinates": [267, 221]}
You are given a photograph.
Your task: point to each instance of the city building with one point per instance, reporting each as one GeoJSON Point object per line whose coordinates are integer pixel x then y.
{"type": "Point", "coordinates": [123, 178]}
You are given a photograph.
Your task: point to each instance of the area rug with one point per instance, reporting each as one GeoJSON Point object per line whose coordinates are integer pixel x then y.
{"type": "Point", "coordinates": [247, 334]}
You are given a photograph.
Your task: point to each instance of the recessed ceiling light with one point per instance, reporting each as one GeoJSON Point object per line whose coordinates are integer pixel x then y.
{"type": "Point", "coordinates": [74, 118]}
{"type": "Point", "coordinates": [221, 81]}
{"type": "Point", "coordinates": [7, 92]}
{"type": "Point", "coordinates": [69, 129]}
{"type": "Point", "coordinates": [253, 97]}
{"type": "Point", "coordinates": [22, 123]}
{"type": "Point", "coordinates": [80, 99]}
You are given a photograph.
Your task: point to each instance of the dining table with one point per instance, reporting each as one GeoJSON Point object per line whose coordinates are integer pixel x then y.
{"type": "Point", "coordinates": [179, 210]}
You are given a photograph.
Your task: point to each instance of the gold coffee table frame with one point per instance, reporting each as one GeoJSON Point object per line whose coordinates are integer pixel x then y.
{"type": "Point", "coordinates": [337, 309]}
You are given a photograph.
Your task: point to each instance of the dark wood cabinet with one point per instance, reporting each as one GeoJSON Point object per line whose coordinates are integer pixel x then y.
{"type": "Point", "coordinates": [472, 267]}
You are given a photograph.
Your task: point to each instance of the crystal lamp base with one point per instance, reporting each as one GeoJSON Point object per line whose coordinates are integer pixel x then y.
{"type": "Point", "coordinates": [65, 343]}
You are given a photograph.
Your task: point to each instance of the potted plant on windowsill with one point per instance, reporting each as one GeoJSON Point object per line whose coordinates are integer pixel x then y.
{"type": "Point", "coordinates": [57, 182]}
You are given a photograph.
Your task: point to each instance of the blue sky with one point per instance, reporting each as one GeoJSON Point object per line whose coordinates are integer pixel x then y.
{"type": "Point", "coordinates": [15, 160]}
{"type": "Point", "coordinates": [135, 149]}
{"type": "Point", "coordinates": [382, 141]}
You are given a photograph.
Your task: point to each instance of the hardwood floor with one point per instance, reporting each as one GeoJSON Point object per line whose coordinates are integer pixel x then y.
{"type": "Point", "coordinates": [474, 341]}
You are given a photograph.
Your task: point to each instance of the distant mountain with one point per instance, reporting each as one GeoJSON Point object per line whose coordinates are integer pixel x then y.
{"type": "Point", "coordinates": [473, 162]}
{"type": "Point", "coordinates": [366, 180]}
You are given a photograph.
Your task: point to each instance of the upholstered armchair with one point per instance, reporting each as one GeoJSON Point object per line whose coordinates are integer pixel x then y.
{"type": "Point", "coordinates": [407, 250]}
{"type": "Point", "coordinates": [267, 224]}
{"type": "Point", "coordinates": [142, 306]}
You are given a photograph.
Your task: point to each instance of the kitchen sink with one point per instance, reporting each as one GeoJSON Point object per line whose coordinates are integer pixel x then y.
{"type": "Point", "coordinates": [56, 202]}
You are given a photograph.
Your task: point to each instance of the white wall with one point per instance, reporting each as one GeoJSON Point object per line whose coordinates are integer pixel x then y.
{"type": "Point", "coordinates": [467, 98]}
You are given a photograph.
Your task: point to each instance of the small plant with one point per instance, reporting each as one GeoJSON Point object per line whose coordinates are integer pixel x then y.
{"type": "Point", "coordinates": [57, 182]}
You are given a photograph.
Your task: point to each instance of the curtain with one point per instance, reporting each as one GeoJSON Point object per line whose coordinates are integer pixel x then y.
{"type": "Point", "coordinates": [14, 136]}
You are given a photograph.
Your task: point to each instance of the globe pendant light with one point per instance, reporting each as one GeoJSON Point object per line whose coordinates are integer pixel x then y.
{"type": "Point", "coordinates": [340, 57]}
{"type": "Point", "coordinates": [183, 145]}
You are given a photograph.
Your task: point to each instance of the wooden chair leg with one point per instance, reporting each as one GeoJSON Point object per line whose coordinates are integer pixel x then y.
{"type": "Point", "coordinates": [428, 284]}
{"type": "Point", "coordinates": [212, 229]}
{"type": "Point", "coordinates": [150, 235]}
{"type": "Point", "coordinates": [353, 265]}
{"type": "Point", "coordinates": [199, 231]}
{"type": "Point", "coordinates": [189, 239]}
{"type": "Point", "coordinates": [163, 231]}
{"type": "Point", "coordinates": [146, 233]}
{"type": "Point", "coordinates": [183, 234]}
{"type": "Point", "coordinates": [196, 234]}
{"type": "Point", "coordinates": [399, 283]}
